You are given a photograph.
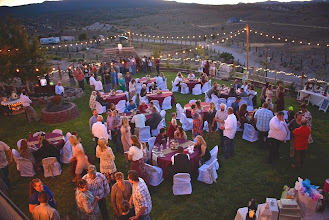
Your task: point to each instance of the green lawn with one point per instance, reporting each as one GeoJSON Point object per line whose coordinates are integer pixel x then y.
{"type": "Point", "coordinates": [240, 178]}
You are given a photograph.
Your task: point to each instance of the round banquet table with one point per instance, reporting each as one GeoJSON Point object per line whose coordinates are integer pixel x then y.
{"type": "Point", "coordinates": [165, 162]}
{"type": "Point", "coordinates": [191, 83]}
{"type": "Point", "coordinates": [115, 99]}
{"type": "Point", "coordinates": [205, 106]}
{"type": "Point", "coordinates": [55, 139]}
{"type": "Point", "coordinates": [161, 97]}
{"type": "Point", "coordinates": [145, 81]}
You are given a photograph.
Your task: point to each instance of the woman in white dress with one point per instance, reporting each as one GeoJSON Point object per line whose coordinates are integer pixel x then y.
{"type": "Point", "coordinates": [106, 156]}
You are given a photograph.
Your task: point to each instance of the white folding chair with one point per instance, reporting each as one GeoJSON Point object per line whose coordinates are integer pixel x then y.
{"type": "Point", "coordinates": [26, 167]}
{"type": "Point", "coordinates": [144, 134]}
{"type": "Point", "coordinates": [249, 133]}
{"type": "Point", "coordinates": [182, 184]}
{"type": "Point", "coordinates": [57, 131]}
{"type": "Point", "coordinates": [207, 173]}
{"type": "Point", "coordinates": [197, 90]}
{"type": "Point", "coordinates": [51, 167]}
{"type": "Point", "coordinates": [192, 101]}
{"type": "Point", "coordinates": [155, 174]}
{"type": "Point", "coordinates": [16, 155]}
{"type": "Point", "coordinates": [213, 154]}
{"type": "Point", "coordinates": [37, 133]}
{"type": "Point", "coordinates": [99, 108]}
{"type": "Point", "coordinates": [67, 136]}
{"type": "Point", "coordinates": [66, 153]}
{"type": "Point", "coordinates": [121, 106]}
{"type": "Point", "coordinates": [174, 87]}
{"type": "Point", "coordinates": [156, 131]}
{"type": "Point", "coordinates": [184, 88]}
{"type": "Point", "coordinates": [166, 104]}
{"type": "Point", "coordinates": [179, 110]}
{"type": "Point", "coordinates": [151, 145]}
{"type": "Point", "coordinates": [187, 123]}
{"type": "Point", "coordinates": [19, 144]}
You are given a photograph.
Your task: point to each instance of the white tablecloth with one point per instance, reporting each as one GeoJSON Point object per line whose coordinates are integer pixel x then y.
{"type": "Point", "coordinates": [11, 102]}
{"type": "Point", "coordinates": [315, 98]}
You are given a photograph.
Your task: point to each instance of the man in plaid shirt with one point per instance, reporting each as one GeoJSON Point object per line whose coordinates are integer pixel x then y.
{"type": "Point", "coordinates": [263, 117]}
{"type": "Point", "coordinates": [140, 197]}
{"type": "Point", "coordinates": [97, 184]}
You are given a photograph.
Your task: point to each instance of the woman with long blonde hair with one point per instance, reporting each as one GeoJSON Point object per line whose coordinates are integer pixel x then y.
{"type": "Point", "coordinates": [125, 138]}
{"type": "Point", "coordinates": [106, 156]}
{"type": "Point", "coordinates": [135, 154]}
{"type": "Point", "coordinates": [26, 152]}
{"type": "Point", "coordinates": [79, 155]}
{"type": "Point", "coordinates": [201, 145]}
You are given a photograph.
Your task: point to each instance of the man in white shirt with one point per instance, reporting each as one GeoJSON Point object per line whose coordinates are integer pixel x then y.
{"type": "Point", "coordinates": [92, 82]}
{"type": "Point", "coordinates": [98, 84]}
{"type": "Point", "coordinates": [99, 130]}
{"type": "Point", "coordinates": [59, 89]}
{"type": "Point", "coordinates": [277, 135]}
{"type": "Point", "coordinates": [221, 116]}
{"type": "Point", "coordinates": [139, 120]}
{"type": "Point", "coordinates": [191, 76]}
{"type": "Point", "coordinates": [29, 110]}
{"type": "Point", "coordinates": [44, 211]}
{"type": "Point", "coordinates": [229, 130]}
{"type": "Point", "coordinates": [178, 80]}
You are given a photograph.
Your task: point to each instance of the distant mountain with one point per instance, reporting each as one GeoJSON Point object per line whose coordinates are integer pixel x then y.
{"type": "Point", "coordinates": [75, 5]}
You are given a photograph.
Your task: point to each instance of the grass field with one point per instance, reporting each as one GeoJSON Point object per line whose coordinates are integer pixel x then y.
{"type": "Point", "coordinates": [241, 178]}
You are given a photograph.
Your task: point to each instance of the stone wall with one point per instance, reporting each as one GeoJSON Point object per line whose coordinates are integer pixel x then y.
{"type": "Point", "coordinates": [61, 116]}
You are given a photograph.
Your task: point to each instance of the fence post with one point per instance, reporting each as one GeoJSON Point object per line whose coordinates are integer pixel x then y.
{"type": "Point", "coordinates": [291, 61]}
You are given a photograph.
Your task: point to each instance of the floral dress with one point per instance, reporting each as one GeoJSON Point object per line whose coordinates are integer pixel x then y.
{"type": "Point", "coordinates": [197, 124]}
{"type": "Point", "coordinates": [85, 201]}
{"type": "Point", "coordinates": [107, 165]}
{"type": "Point", "coordinates": [308, 116]}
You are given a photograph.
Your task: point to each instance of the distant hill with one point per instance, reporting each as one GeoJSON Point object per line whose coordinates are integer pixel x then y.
{"type": "Point", "coordinates": [75, 5]}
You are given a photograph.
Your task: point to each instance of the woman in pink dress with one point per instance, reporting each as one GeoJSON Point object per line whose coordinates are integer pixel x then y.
{"type": "Point", "coordinates": [212, 69]}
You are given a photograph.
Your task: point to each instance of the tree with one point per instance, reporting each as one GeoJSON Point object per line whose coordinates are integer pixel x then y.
{"type": "Point", "coordinates": [82, 37]}
{"type": "Point", "coordinates": [21, 54]}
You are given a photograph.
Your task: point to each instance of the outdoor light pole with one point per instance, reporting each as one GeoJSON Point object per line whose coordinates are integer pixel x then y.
{"type": "Point", "coordinates": [247, 30]}
{"type": "Point", "coordinates": [129, 38]}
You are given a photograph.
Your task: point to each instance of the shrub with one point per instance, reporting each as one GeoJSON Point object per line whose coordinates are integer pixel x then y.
{"type": "Point", "coordinates": [228, 57]}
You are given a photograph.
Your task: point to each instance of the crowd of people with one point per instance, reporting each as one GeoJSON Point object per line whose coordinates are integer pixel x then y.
{"type": "Point", "coordinates": [130, 198]}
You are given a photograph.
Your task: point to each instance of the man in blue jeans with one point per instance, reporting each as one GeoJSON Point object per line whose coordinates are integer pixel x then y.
{"type": "Point", "coordinates": [229, 131]}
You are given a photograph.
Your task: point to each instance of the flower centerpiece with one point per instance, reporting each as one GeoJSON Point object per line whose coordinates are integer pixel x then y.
{"type": "Point", "coordinates": [159, 91]}
{"type": "Point", "coordinates": [147, 77]}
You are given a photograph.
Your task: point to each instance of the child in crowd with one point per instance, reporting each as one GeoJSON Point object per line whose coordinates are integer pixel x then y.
{"type": "Point", "coordinates": [127, 212]}
{"type": "Point", "coordinates": [172, 125]}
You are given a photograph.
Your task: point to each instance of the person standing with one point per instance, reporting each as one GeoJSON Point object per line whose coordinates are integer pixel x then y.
{"type": "Point", "coordinates": [296, 123]}
{"type": "Point", "coordinates": [301, 141]}
{"type": "Point", "coordinates": [229, 130]}
{"type": "Point", "coordinates": [36, 187]}
{"type": "Point", "coordinates": [59, 89]}
{"type": "Point", "coordinates": [93, 119]}
{"type": "Point", "coordinates": [29, 110]}
{"type": "Point", "coordinates": [99, 130]}
{"type": "Point", "coordinates": [114, 79]}
{"type": "Point", "coordinates": [98, 186]}
{"type": "Point", "coordinates": [157, 65]}
{"type": "Point", "coordinates": [71, 77]}
{"type": "Point", "coordinates": [106, 156]}
{"type": "Point", "coordinates": [44, 211]}
{"type": "Point", "coordinates": [280, 99]}
{"type": "Point", "coordinates": [125, 138]}
{"type": "Point", "coordinates": [107, 82]}
{"type": "Point", "coordinates": [80, 77]}
{"type": "Point", "coordinates": [263, 93]}
{"type": "Point", "coordinates": [78, 155]}
{"type": "Point", "coordinates": [197, 122]}
{"type": "Point", "coordinates": [212, 126]}
{"type": "Point", "coordinates": [127, 80]}
{"type": "Point", "coordinates": [220, 117]}
{"type": "Point", "coordinates": [140, 197]}
{"type": "Point", "coordinates": [277, 134]}
{"type": "Point", "coordinates": [263, 117]}
{"type": "Point", "coordinates": [120, 191]}
{"type": "Point", "coordinates": [308, 116]}
{"type": "Point", "coordinates": [4, 169]}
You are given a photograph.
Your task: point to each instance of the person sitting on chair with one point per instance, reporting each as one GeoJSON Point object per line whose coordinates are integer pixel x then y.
{"type": "Point", "coordinates": [181, 162]}
{"type": "Point", "coordinates": [178, 81]}
{"type": "Point", "coordinates": [101, 100]}
{"type": "Point", "coordinates": [143, 107]}
{"type": "Point", "coordinates": [152, 87]}
{"type": "Point", "coordinates": [132, 106]}
{"type": "Point", "coordinates": [154, 120]}
{"type": "Point", "coordinates": [161, 138]}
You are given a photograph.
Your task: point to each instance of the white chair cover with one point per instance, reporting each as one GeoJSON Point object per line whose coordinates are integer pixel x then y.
{"type": "Point", "coordinates": [179, 111]}
{"type": "Point", "coordinates": [192, 101]}
{"type": "Point", "coordinates": [206, 98]}
{"type": "Point", "coordinates": [66, 153]}
{"type": "Point", "coordinates": [222, 100]}
{"type": "Point", "coordinates": [207, 173]}
{"type": "Point", "coordinates": [134, 99]}
{"type": "Point", "coordinates": [163, 116]}
{"type": "Point", "coordinates": [138, 87]}
{"type": "Point", "coordinates": [214, 99]}
{"type": "Point", "coordinates": [119, 91]}
{"type": "Point", "coordinates": [144, 134]}
{"type": "Point", "coordinates": [182, 184]}
{"type": "Point", "coordinates": [156, 131]}
{"type": "Point", "coordinates": [155, 174]}
{"type": "Point", "coordinates": [165, 90]}
{"type": "Point", "coordinates": [244, 100]}
{"type": "Point", "coordinates": [37, 133]}
{"type": "Point", "coordinates": [99, 108]}
{"type": "Point", "coordinates": [230, 100]}
{"type": "Point", "coordinates": [67, 136]}
{"type": "Point", "coordinates": [127, 94]}
{"type": "Point", "coordinates": [151, 145]}
{"type": "Point", "coordinates": [16, 155]}
{"type": "Point", "coordinates": [250, 108]}
{"type": "Point", "coordinates": [197, 90]}
{"type": "Point", "coordinates": [156, 103]}
{"type": "Point", "coordinates": [213, 154]}
{"type": "Point", "coordinates": [184, 89]}
{"type": "Point", "coordinates": [166, 104]}
{"type": "Point", "coordinates": [57, 131]}
{"type": "Point", "coordinates": [285, 114]}
{"type": "Point", "coordinates": [174, 87]}
{"type": "Point", "coordinates": [163, 85]}
{"type": "Point", "coordinates": [26, 167]}
{"type": "Point", "coordinates": [249, 133]}
{"type": "Point", "coordinates": [51, 167]}
{"type": "Point", "coordinates": [206, 86]}
{"type": "Point", "coordinates": [141, 99]}
{"type": "Point", "coordinates": [121, 106]}
{"type": "Point", "coordinates": [187, 123]}
{"type": "Point", "coordinates": [19, 144]}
